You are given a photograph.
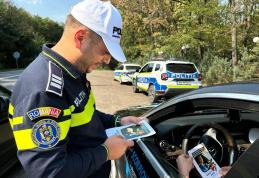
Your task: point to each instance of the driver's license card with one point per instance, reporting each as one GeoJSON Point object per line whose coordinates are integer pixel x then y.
{"type": "Point", "coordinates": [203, 162]}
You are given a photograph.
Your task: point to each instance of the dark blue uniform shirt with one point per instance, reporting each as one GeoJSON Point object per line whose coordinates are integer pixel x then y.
{"type": "Point", "coordinates": [57, 129]}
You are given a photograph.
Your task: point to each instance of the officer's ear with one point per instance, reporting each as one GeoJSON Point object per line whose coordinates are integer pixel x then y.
{"type": "Point", "coordinates": [80, 36]}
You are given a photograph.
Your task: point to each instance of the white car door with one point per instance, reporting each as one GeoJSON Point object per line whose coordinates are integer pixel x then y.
{"type": "Point", "coordinates": [143, 77]}
{"type": "Point", "coordinates": [117, 72]}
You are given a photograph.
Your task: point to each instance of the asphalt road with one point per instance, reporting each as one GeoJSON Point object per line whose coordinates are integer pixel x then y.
{"type": "Point", "coordinates": [8, 78]}
{"type": "Point", "coordinates": [110, 95]}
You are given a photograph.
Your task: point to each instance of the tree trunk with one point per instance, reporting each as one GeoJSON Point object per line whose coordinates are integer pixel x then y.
{"type": "Point", "coordinates": [233, 32]}
{"type": "Point", "coordinates": [201, 54]}
{"type": "Point", "coordinates": [234, 50]}
{"type": "Point", "coordinates": [248, 14]}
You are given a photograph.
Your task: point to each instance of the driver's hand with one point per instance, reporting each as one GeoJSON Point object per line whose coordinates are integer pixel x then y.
{"type": "Point", "coordinates": [224, 170]}
{"type": "Point", "coordinates": [184, 164]}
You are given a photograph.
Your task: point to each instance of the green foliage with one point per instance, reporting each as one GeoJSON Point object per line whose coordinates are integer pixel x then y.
{"type": "Point", "coordinates": [219, 72]}
{"type": "Point", "coordinates": [247, 67]}
{"type": "Point", "coordinates": [19, 31]}
{"type": "Point", "coordinates": [152, 26]}
{"type": "Point", "coordinates": [255, 51]}
{"type": "Point", "coordinates": [207, 63]}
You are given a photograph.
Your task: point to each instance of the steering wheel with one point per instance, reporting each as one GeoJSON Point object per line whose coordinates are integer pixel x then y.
{"type": "Point", "coordinates": [209, 139]}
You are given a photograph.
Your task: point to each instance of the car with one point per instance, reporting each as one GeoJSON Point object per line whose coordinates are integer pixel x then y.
{"type": "Point", "coordinates": [7, 143]}
{"type": "Point", "coordinates": [124, 72]}
{"type": "Point", "coordinates": [164, 79]}
{"type": "Point", "coordinates": [225, 118]}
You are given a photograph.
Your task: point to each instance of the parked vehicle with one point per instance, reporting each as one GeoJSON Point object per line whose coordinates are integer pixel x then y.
{"type": "Point", "coordinates": [166, 79]}
{"type": "Point", "coordinates": [224, 118]}
{"type": "Point", "coordinates": [124, 72]}
{"type": "Point", "coordinates": [8, 148]}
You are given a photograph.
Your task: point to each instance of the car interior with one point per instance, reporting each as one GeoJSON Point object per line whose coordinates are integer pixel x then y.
{"type": "Point", "coordinates": [226, 127]}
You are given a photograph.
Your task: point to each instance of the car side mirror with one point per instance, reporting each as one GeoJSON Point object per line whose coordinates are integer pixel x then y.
{"type": "Point", "coordinates": [137, 70]}
{"type": "Point", "coordinates": [4, 103]}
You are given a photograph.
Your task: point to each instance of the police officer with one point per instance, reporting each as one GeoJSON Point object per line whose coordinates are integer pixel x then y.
{"type": "Point", "coordinates": [57, 128]}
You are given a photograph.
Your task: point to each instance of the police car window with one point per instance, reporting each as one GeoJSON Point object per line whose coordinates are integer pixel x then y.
{"type": "Point", "coordinates": [132, 67]}
{"type": "Point", "coordinates": [157, 67]}
{"type": "Point", "coordinates": [120, 68]}
{"type": "Point", "coordinates": [180, 68]}
{"type": "Point", "coordinates": [150, 67]}
{"type": "Point", "coordinates": [144, 69]}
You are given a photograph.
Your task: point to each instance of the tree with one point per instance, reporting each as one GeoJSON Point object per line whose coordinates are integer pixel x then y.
{"type": "Point", "coordinates": [27, 36]}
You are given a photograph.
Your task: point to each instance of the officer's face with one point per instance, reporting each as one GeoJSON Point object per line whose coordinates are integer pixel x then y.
{"type": "Point", "coordinates": [94, 53]}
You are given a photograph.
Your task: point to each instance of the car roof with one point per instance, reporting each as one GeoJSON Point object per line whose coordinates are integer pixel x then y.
{"type": "Point", "coordinates": [131, 64]}
{"type": "Point", "coordinates": [245, 87]}
{"type": "Point", "coordinates": [245, 91]}
{"type": "Point", "coordinates": [170, 62]}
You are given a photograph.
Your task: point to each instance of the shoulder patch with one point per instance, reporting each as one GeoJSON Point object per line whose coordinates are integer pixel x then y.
{"type": "Point", "coordinates": [55, 80]}
{"type": "Point", "coordinates": [46, 133]}
{"type": "Point", "coordinates": [43, 111]}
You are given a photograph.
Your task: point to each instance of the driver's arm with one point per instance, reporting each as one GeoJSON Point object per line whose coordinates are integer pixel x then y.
{"type": "Point", "coordinates": [224, 170]}
{"type": "Point", "coordinates": [185, 165]}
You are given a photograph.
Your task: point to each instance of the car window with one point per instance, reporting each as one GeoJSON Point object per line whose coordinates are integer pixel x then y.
{"type": "Point", "coordinates": [120, 68]}
{"type": "Point", "coordinates": [180, 68]}
{"type": "Point", "coordinates": [4, 100]}
{"type": "Point", "coordinates": [144, 69]}
{"type": "Point", "coordinates": [157, 67]}
{"type": "Point", "coordinates": [150, 67]}
{"type": "Point", "coordinates": [132, 67]}
{"type": "Point", "coordinates": [3, 93]}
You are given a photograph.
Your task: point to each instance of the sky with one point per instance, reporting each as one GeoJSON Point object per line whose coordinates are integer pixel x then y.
{"type": "Point", "coordinates": [56, 10]}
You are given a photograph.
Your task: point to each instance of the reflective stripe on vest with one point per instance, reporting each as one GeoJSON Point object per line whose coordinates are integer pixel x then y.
{"type": "Point", "coordinates": [85, 116]}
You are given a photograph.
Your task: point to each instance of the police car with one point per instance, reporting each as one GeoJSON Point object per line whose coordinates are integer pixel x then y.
{"type": "Point", "coordinates": [163, 79]}
{"type": "Point", "coordinates": [124, 72]}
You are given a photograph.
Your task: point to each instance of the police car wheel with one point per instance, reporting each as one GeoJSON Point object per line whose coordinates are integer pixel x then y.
{"type": "Point", "coordinates": [135, 88]}
{"type": "Point", "coordinates": [151, 94]}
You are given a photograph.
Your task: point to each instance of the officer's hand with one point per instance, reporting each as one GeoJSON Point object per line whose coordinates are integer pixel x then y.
{"type": "Point", "coordinates": [117, 146]}
{"type": "Point", "coordinates": [130, 120]}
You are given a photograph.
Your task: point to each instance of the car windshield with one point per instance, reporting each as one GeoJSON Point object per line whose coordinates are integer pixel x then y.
{"type": "Point", "coordinates": [132, 67]}
{"type": "Point", "coordinates": [180, 68]}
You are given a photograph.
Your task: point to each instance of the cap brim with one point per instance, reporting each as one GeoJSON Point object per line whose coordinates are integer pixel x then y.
{"type": "Point", "coordinates": [115, 50]}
